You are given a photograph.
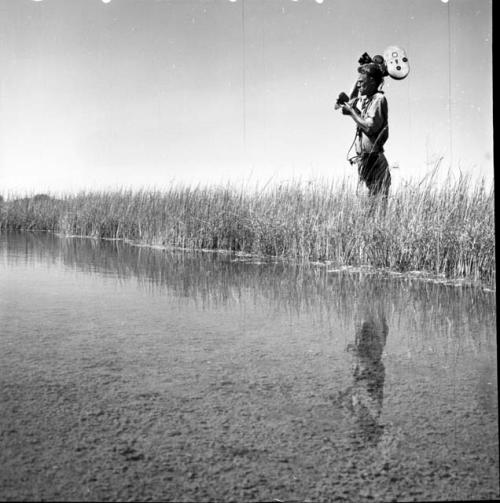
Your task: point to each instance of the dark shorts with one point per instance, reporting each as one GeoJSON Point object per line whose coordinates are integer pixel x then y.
{"type": "Point", "coordinates": [373, 170]}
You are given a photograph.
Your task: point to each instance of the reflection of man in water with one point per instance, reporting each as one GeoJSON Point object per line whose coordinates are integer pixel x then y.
{"type": "Point", "coordinates": [364, 398]}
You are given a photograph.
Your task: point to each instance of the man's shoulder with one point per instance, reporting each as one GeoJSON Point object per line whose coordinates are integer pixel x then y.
{"type": "Point", "coordinates": [379, 96]}
{"type": "Point", "coordinates": [379, 100]}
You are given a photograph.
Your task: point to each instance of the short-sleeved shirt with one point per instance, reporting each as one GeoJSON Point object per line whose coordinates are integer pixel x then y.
{"type": "Point", "coordinates": [374, 109]}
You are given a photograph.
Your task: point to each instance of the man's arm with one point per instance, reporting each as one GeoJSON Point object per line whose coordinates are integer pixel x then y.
{"type": "Point", "coordinates": [372, 122]}
{"type": "Point", "coordinates": [365, 125]}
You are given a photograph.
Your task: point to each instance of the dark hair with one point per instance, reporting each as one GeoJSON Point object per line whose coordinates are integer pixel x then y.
{"type": "Point", "coordinates": [374, 71]}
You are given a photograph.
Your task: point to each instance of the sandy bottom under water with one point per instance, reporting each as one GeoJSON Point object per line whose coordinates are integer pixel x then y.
{"type": "Point", "coordinates": [232, 428]}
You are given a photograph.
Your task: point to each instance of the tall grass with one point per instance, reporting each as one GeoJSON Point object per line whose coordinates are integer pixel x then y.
{"type": "Point", "coordinates": [446, 230]}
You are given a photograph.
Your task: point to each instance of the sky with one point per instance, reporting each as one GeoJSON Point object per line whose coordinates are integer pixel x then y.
{"type": "Point", "coordinates": [145, 93]}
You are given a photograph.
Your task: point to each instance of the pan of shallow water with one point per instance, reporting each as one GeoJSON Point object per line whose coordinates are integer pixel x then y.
{"type": "Point", "coordinates": [135, 373]}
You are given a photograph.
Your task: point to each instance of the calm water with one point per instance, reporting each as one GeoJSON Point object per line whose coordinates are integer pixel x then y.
{"type": "Point", "coordinates": [129, 372]}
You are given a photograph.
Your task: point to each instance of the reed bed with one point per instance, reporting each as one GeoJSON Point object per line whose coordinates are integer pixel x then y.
{"type": "Point", "coordinates": [445, 229]}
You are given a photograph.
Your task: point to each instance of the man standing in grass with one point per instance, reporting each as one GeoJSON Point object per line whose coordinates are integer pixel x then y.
{"type": "Point", "coordinates": [370, 113]}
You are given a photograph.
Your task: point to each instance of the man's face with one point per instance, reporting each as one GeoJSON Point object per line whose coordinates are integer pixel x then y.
{"type": "Point", "coordinates": [366, 84]}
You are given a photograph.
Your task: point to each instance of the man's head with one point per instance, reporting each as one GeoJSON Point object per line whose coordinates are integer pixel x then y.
{"type": "Point", "coordinates": [370, 77]}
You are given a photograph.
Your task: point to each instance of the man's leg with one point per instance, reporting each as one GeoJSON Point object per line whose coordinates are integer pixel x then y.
{"type": "Point", "coordinates": [386, 184]}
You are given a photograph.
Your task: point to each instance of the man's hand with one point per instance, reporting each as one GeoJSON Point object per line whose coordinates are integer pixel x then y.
{"type": "Point", "coordinates": [347, 109]}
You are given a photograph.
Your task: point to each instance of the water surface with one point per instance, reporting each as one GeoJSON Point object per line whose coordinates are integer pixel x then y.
{"type": "Point", "coordinates": [134, 373]}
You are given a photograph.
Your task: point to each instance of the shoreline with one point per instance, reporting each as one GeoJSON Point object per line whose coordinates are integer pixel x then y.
{"type": "Point", "coordinates": [434, 231]}
{"type": "Point", "coordinates": [424, 276]}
